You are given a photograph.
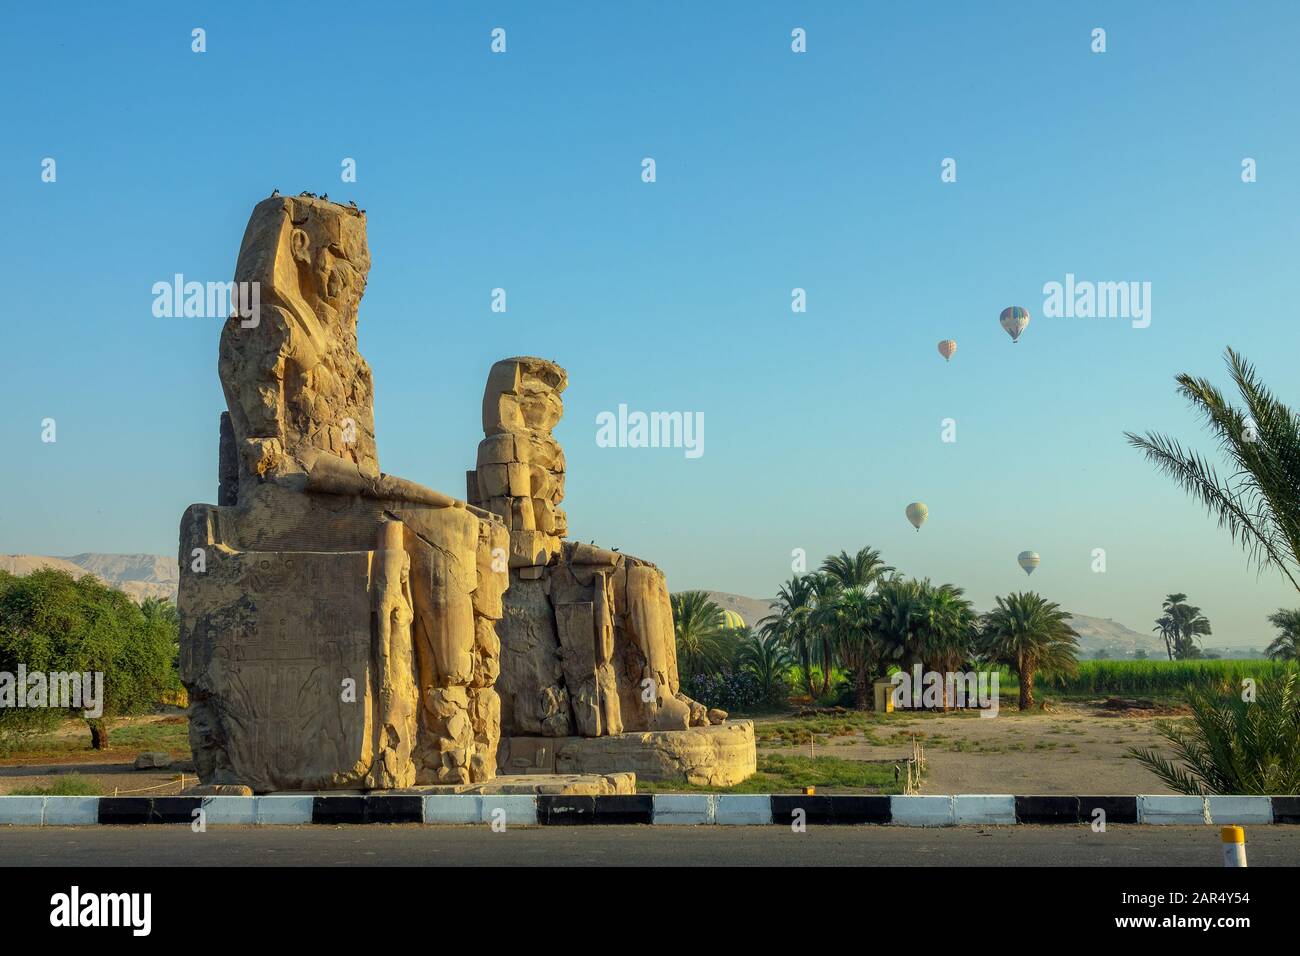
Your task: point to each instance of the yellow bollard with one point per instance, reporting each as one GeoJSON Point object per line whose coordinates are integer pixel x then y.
{"type": "Point", "coordinates": [1234, 846]}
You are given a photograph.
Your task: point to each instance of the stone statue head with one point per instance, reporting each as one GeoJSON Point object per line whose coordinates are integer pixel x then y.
{"type": "Point", "coordinates": [295, 381]}
{"type": "Point", "coordinates": [523, 396]}
{"type": "Point", "coordinates": [311, 258]}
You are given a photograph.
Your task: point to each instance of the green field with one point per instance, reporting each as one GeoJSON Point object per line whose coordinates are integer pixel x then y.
{"type": "Point", "coordinates": [1157, 678]}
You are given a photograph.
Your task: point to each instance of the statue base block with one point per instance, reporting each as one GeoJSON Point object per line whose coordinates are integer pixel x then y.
{"type": "Point", "coordinates": [719, 755]}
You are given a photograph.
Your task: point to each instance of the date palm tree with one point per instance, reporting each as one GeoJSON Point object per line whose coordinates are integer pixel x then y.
{"type": "Point", "coordinates": [821, 623]}
{"type": "Point", "coordinates": [856, 643]}
{"type": "Point", "coordinates": [1231, 745]}
{"type": "Point", "coordinates": [767, 660]}
{"type": "Point", "coordinates": [949, 631]}
{"type": "Point", "coordinates": [790, 622]}
{"type": "Point", "coordinates": [1258, 500]}
{"type": "Point", "coordinates": [844, 609]}
{"type": "Point", "coordinates": [1286, 646]}
{"type": "Point", "coordinates": [860, 570]}
{"type": "Point", "coordinates": [1030, 634]}
{"type": "Point", "coordinates": [1181, 625]}
{"type": "Point", "coordinates": [898, 620]}
{"type": "Point", "coordinates": [702, 644]}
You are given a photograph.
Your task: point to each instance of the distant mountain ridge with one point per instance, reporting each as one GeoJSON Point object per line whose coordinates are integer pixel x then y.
{"type": "Point", "coordinates": [139, 576]}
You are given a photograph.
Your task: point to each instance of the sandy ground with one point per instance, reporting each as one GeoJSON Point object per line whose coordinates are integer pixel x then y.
{"type": "Point", "coordinates": [1078, 749]}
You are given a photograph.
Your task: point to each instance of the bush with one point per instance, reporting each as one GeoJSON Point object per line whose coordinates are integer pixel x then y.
{"type": "Point", "coordinates": [741, 692]}
{"type": "Point", "coordinates": [1234, 746]}
{"type": "Point", "coordinates": [52, 622]}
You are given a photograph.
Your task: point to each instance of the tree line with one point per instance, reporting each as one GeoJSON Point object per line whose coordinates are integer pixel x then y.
{"type": "Point", "coordinates": [860, 616]}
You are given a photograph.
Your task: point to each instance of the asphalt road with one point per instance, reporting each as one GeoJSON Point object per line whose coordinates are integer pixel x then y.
{"type": "Point", "coordinates": [410, 845]}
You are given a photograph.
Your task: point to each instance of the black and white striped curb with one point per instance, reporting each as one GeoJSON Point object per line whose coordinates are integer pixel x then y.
{"type": "Point", "coordinates": [683, 809]}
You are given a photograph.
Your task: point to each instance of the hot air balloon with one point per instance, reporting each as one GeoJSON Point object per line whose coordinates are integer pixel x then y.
{"type": "Point", "coordinates": [1014, 320]}
{"type": "Point", "coordinates": [917, 513]}
{"type": "Point", "coordinates": [1028, 560]}
{"type": "Point", "coordinates": [946, 348]}
{"type": "Point", "coordinates": [731, 620]}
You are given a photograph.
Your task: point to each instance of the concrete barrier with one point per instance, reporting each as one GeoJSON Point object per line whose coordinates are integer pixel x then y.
{"type": "Point", "coordinates": [976, 808]}
{"type": "Point", "coordinates": [734, 809]}
{"type": "Point", "coordinates": [22, 811]}
{"type": "Point", "coordinates": [922, 811]}
{"type": "Point", "coordinates": [284, 811]}
{"type": "Point", "coordinates": [683, 809]}
{"type": "Point", "coordinates": [70, 811]}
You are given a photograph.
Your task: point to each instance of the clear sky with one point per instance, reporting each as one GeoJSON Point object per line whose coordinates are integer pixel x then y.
{"type": "Point", "coordinates": [775, 170]}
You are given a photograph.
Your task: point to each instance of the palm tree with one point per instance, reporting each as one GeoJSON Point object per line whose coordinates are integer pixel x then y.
{"type": "Point", "coordinates": [1231, 745]}
{"type": "Point", "coordinates": [899, 618]}
{"type": "Point", "coordinates": [821, 622]}
{"type": "Point", "coordinates": [856, 643]}
{"type": "Point", "coordinates": [861, 570]}
{"type": "Point", "coordinates": [1030, 634]}
{"type": "Point", "coordinates": [1166, 627]}
{"type": "Point", "coordinates": [1180, 626]}
{"type": "Point", "coordinates": [950, 629]}
{"type": "Point", "coordinates": [842, 610]}
{"type": "Point", "coordinates": [1257, 501]}
{"type": "Point", "coordinates": [1192, 624]}
{"type": "Point", "coordinates": [1286, 646]}
{"type": "Point", "coordinates": [790, 623]}
{"type": "Point", "coordinates": [767, 660]}
{"type": "Point", "coordinates": [702, 646]}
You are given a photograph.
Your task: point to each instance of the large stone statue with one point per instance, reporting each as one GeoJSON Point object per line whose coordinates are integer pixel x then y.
{"type": "Point", "coordinates": [345, 629]}
{"type": "Point", "coordinates": [337, 623]}
{"type": "Point", "coordinates": [588, 646]}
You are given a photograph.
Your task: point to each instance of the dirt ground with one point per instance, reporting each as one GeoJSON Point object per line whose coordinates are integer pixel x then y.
{"type": "Point", "coordinates": [110, 770]}
{"type": "Point", "coordinates": [1079, 748]}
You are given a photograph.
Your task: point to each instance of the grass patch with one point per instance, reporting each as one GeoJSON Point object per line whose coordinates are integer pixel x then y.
{"type": "Point", "coordinates": [170, 734]}
{"type": "Point", "coordinates": [819, 729]}
{"type": "Point", "coordinates": [787, 773]}
{"type": "Point", "coordinates": [64, 785]}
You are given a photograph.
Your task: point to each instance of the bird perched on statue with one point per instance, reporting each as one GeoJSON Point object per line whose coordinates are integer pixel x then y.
{"type": "Point", "coordinates": [307, 194]}
{"type": "Point", "coordinates": [275, 192]}
{"type": "Point", "coordinates": [325, 196]}
{"type": "Point", "coordinates": [352, 203]}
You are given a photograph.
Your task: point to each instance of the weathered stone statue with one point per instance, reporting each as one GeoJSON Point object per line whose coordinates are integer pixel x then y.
{"type": "Point", "coordinates": [337, 623]}
{"type": "Point", "coordinates": [588, 646]}
{"type": "Point", "coordinates": [339, 626]}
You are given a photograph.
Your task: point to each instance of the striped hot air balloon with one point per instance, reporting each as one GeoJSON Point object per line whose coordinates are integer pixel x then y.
{"type": "Point", "coordinates": [730, 619]}
{"type": "Point", "coordinates": [917, 513]}
{"type": "Point", "coordinates": [946, 348]}
{"type": "Point", "coordinates": [1014, 319]}
{"type": "Point", "coordinates": [1028, 560]}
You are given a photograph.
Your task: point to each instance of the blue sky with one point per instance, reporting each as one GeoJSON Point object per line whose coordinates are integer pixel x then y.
{"type": "Point", "coordinates": [775, 170]}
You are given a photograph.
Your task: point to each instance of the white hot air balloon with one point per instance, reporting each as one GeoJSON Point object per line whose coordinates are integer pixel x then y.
{"type": "Point", "coordinates": [1028, 560]}
{"type": "Point", "coordinates": [1013, 320]}
{"type": "Point", "coordinates": [946, 348]}
{"type": "Point", "coordinates": [917, 513]}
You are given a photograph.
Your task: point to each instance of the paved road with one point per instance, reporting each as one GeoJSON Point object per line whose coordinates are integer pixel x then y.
{"type": "Point", "coordinates": [638, 846]}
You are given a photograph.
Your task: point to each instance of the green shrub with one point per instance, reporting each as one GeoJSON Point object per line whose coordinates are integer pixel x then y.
{"type": "Point", "coordinates": [52, 622]}
{"type": "Point", "coordinates": [64, 785]}
{"type": "Point", "coordinates": [1234, 746]}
